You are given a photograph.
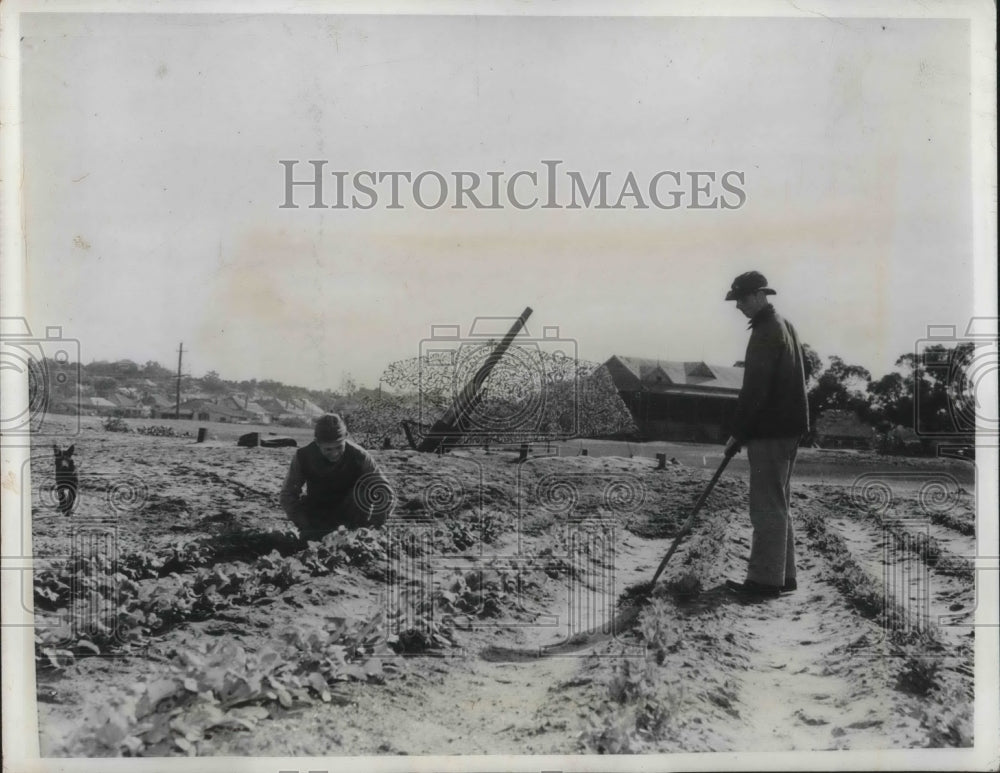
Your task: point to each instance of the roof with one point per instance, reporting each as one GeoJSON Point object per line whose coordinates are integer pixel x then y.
{"type": "Point", "coordinates": [304, 405]}
{"type": "Point", "coordinates": [124, 400]}
{"type": "Point", "coordinates": [243, 403]}
{"type": "Point", "coordinates": [200, 404]}
{"type": "Point", "coordinates": [97, 402]}
{"type": "Point", "coordinates": [634, 374]}
{"type": "Point", "coordinates": [275, 407]}
{"type": "Point", "coordinates": [841, 423]}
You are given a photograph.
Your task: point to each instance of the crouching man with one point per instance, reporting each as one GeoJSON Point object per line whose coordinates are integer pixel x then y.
{"type": "Point", "coordinates": [344, 486]}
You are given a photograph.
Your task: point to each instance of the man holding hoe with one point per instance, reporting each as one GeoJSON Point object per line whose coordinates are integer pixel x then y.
{"type": "Point", "coordinates": [772, 415]}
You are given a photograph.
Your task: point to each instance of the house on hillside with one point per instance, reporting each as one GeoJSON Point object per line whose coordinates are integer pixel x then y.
{"type": "Point", "coordinates": [669, 400]}
{"type": "Point", "coordinates": [206, 410]}
{"type": "Point", "coordinates": [295, 411]}
{"type": "Point", "coordinates": [284, 412]}
{"type": "Point", "coordinates": [126, 405]}
{"type": "Point", "coordinates": [97, 406]}
{"type": "Point", "coordinates": [305, 407]}
{"type": "Point", "coordinates": [275, 408]}
{"type": "Point", "coordinates": [188, 409]}
{"type": "Point", "coordinates": [254, 410]}
{"type": "Point", "coordinates": [160, 407]}
{"type": "Point", "coordinates": [843, 429]}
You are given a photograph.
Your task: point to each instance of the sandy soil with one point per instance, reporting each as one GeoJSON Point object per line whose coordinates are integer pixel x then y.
{"type": "Point", "coordinates": [210, 629]}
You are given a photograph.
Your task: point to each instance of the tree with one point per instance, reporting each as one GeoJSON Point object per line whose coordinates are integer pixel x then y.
{"type": "Point", "coordinates": [931, 392]}
{"type": "Point", "coordinates": [126, 369]}
{"type": "Point", "coordinates": [840, 387]}
{"type": "Point", "coordinates": [99, 368]}
{"type": "Point", "coordinates": [891, 402]}
{"type": "Point", "coordinates": [156, 372]}
{"type": "Point", "coordinates": [105, 386]}
{"type": "Point", "coordinates": [348, 386]}
{"type": "Point", "coordinates": [276, 388]}
{"type": "Point", "coordinates": [942, 389]}
{"type": "Point", "coordinates": [962, 384]}
{"type": "Point", "coordinates": [212, 383]}
{"type": "Point", "coordinates": [812, 364]}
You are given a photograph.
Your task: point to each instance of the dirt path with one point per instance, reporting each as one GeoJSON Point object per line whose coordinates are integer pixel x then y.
{"type": "Point", "coordinates": [808, 684]}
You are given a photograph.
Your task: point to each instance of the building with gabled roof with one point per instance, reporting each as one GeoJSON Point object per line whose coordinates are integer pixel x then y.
{"type": "Point", "coordinates": [207, 410]}
{"type": "Point", "coordinates": [254, 410]}
{"type": "Point", "coordinates": [160, 406]}
{"type": "Point", "coordinates": [837, 428]}
{"type": "Point", "coordinates": [97, 406]}
{"type": "Point", "coordinates": [673, 400]}
{"type": "Point", "coordinates": [303, 406]}
{"type": "Point", "coordinates": [126, 405]}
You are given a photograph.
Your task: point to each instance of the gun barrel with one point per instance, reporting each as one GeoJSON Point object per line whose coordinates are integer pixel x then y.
{"type": "Point", "coordinates": [448, 429]}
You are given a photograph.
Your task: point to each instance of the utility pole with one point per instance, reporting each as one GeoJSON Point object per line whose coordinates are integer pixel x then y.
{"type": "Point", "coordinates": [177, 405]}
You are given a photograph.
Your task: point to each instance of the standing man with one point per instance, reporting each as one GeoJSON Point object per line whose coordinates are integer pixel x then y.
{"type": "Point", "coordinates": [344, 486]}
{"type": "Point", "coordinates": [772, 415]}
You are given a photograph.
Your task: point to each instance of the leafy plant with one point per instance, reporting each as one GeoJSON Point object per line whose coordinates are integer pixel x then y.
{"type": "Point", "coordinates": [161, 431]}
{"type": "Point", "coordinates": [919, 675]}
{"type": "Point", "coordinates": [116, 424]}
{"type": "Point", "coordinates": [631, 682]}
{"type": "Point", "coordinates": [220, 684]}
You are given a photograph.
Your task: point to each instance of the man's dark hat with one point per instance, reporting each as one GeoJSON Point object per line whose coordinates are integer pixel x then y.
{"type": "Point", "coordinates": [747, 283]}
{"type": "Point", "coordinates": [330, 428]}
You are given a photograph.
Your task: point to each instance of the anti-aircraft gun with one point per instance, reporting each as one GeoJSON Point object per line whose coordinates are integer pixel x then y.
{"type": "Point", "coordinates": [454, 424]}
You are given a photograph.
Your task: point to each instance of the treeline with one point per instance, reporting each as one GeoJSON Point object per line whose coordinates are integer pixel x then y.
{"type": "Point", "coordinates": [928, 397]}
{"type": "Point", "coordinates": [531, 393]}
{"type": "Point", "coordinates": [103, 378]}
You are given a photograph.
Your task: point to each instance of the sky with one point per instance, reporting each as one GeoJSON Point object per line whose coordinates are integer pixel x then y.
{"type": "Point", "coordinates": [152, 184]}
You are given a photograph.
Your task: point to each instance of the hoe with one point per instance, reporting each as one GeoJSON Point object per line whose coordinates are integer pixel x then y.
{"type": "Point", "coordinates": [632, 598]}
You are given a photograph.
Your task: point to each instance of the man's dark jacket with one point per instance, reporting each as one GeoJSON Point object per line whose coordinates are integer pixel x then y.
{"type": "Point", "coordinates": [329, 483]}
{"type": "Point", "coordinates": [772, 402]}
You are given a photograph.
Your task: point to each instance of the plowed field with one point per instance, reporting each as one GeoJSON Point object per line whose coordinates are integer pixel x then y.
{"type": "Point", "coordinates": [178, 613]}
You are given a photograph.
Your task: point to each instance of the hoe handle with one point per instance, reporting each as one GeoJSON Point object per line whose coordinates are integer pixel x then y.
{"type": "Point", "coordinates": [685, 530]}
